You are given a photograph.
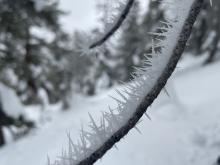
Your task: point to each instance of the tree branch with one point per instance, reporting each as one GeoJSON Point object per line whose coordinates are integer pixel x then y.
{"type": "Point", "coordinates": [152, 95]}
{"type": "Point", "coordinates": [117, 25]}
{"type": "Point", "coordinates": [146, 87]}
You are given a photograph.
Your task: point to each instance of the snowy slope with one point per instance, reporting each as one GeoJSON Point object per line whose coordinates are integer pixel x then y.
{"type": "Point", "coordinates": [185, 127]}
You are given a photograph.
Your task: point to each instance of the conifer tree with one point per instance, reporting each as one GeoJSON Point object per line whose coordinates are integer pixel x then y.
{"type": "Point", "coordinates": [205, 37]}
{"type": "Point", "coordinates": [151, 19]}
{"type": "Point", "coordinates": [30, 55]}
{"type": "Point", "coordinates": [85, 77]}
{"type": "Point", "coordinates": [154, 14]}
{"type": "Point", "coordinates": [128, 46]}
{"type": "Point", "coordinates": [105, 57]}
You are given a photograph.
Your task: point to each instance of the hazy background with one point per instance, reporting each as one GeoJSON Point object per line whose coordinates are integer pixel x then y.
{"type": "Point", "coordinates": [82, 14]}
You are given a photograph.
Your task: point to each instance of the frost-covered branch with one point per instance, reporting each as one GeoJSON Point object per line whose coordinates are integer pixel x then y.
{"type": "Point", "coordinates": [137, 96]}
{"type": "Point", "coordinates": [116, 25]}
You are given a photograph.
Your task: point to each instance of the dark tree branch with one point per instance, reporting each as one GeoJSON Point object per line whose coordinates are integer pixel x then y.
{"type": "Point", "coordinates": [117, 25]}
{"type": "Point", "coordinates": [152, 95]}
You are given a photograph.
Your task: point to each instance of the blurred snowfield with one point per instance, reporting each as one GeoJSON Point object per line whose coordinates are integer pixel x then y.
{"type": "Point", "coordinates": [184, 129]}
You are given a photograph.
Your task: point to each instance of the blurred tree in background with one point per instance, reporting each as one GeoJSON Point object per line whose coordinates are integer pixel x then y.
{"type": "Point", "coordinates": [84, 68]}
{"type": "Point", "coordinates": [34, 54]}
{"type": "Point", "coordinates": [151, 19]}
{"type": "Point", "coordinates": [205, 37]}
{"type": "Point", "coordinates": [33, 49]}
{"type": "Point", "coordinates": [128, 46]}
{"type": "Point", "coordinates": [106, 57]}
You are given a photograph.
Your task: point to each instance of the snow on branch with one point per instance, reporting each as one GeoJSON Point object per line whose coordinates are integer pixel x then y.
{"type": "Point", "coordinates": [137, 96]}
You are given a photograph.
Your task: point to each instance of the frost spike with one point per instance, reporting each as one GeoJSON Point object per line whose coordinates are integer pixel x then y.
{"type": "Point", "coordinates": [95, 127]}
{"type": "Point", "coordinates": [166, 92]}
{"type": "Point", "coordinates": [117, 100]}
{"type": "Point", "coordinates": [137, 129]}
{"type": "Point", "coordinates": [122, 95]}
{"type": "Point", "coordinates": [157, 34]}
{"type": "Point", "coordinates": [147, 116]}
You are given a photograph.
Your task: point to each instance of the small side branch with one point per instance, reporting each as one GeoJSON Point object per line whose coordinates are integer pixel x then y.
{"type": "Point", "coordinates": [117, 25]}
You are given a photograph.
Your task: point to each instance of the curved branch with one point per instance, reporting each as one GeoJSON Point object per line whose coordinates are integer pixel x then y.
{"type": "Point", "coordinates": [117, 25]}
{"type": "Point", "coordinates": [152, 95]}
{"type": "Point", "coordinates": [144, 90]}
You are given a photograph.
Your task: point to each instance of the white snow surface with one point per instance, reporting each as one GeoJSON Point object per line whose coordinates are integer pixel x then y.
{"type": "Point", "coordinates": [184, 128]}
{"type": "Point", "coordinates": [10, 102]}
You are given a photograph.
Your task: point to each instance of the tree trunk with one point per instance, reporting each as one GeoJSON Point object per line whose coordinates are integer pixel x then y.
{"type": "Point", "coordinates": [213, 51]}
{"type": "Point", "coordinates": [4, 121]}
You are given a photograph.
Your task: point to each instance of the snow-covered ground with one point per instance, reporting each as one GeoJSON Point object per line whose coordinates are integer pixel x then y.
{"type": "Point", "coordinates": [184, 130]}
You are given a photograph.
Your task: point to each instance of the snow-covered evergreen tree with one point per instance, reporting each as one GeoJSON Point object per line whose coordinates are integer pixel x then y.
{"type": "Point", "coordinates": [30, 46]}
